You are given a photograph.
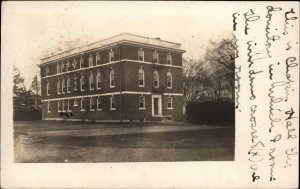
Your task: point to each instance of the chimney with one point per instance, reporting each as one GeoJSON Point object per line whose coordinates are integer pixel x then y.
{"type": "Point", "coordinates": [157, 38]}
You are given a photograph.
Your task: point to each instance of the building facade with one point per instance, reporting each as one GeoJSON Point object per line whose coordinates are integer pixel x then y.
{"type": "Point", "coordinates": [125, 77]}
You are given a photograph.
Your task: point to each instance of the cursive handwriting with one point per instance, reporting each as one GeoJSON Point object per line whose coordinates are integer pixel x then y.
{"type": "Point", "coordinates": [287, 19]}
{"type": "Point", "coordinates": [249, 17]}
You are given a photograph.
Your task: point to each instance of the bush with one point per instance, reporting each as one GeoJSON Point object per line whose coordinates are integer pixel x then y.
{"type": "Point", "coordinates": [211, 113]}
{"type": "Point", "coordinates": [27, 115]}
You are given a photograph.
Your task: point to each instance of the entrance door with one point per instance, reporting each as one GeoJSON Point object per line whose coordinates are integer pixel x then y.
{"type": "Point", "coordinates": [156, 105]}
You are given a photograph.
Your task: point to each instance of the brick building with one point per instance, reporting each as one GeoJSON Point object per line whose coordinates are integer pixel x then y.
{"type": "Point", "coordinates": [125, 77]}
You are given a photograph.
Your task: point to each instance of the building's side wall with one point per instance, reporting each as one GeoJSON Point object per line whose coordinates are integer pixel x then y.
{"type": "Point", "coordinates": [125, 71]}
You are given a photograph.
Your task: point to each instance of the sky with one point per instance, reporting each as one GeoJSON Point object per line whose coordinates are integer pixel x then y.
{"type": "Point", "coordinates": [31, 28]}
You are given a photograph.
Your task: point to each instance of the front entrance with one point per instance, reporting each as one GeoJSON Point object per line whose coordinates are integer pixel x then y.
{"type": "Point", "coordinates": [156, 105]}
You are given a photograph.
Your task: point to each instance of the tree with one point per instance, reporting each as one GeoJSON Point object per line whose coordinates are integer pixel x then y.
{"type": "Point", "coordinates": [221, 58]}
{"type": "Point", "coordinates": [195, 80]}
{"type": "Point", "coordinates": [35, 86]}
{"type": "Point", "coordinates": [18, 80]}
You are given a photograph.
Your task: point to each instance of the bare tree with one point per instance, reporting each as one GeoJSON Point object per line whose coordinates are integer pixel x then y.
{"type": "Point", "coordinates": [220, 56]}
{"type": "Point", "coordinates": [18, 80]}
{"type": "Point", "coordinates": [195, 80]}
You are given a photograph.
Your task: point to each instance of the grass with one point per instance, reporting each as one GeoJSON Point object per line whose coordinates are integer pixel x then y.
{"type": "Point", "coordinates": [203, 144]}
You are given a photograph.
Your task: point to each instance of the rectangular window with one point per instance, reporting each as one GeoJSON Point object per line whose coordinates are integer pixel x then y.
{"type": "Point", "coordinates": [155, 57]}
{"type": "Point", "coordinates": [141, 102]}
{"type": "Point", "coordinates": [69, 106]}
{"type": "Point", "coordinates": [68, 85]}
{"type": "Point", "coordinates": [98, 59]}
{"type": "Point", "coordinates": [99, 104]}
{"type": "Point", "coordinates": [92, 104]}
{"type": "Point", "coordinates": [48, 88]}
{"type": "Point", "coordinates": [57, 68]}
{"type": "Point", "coordinates": [63, 105]}
{"type": "Point", "coordinates": [81, 62]}
{"type": "Point", "coordinates": [75, 84]}
{"type": "Point", "coordinates": [47, 71]}
{"type": "Point", "coordinates": [58, 106]}
{"type": "Point", "coordinates": [48, 107]}
{"type": "Point", "coordinates": [62, 67]}
{"type": "Point", "coordinates": [91, 61]}
{"type": "Point", "coordinates": [82, 83]}
{"type": "Point", "coordinates": [82, 104]}
{"type": "Point", "coordinates": [112, 78]}
{"type": "Point", "coordinates": [112, 103]}
{"type": "Point", "coordinates": [68, 66]}
{"type": "Point", "coordinates": [58, 87]}
{"type": "Point", "coordinates": [169, 105]}
{"type": "Point", "coordinates": [141, 55]}
{"type": "Point", "coordinates": [169, 59]}
{"type": "Point", "coordinates": [63, 86]}
{"type": "Point", "coordinates": [111, 56]}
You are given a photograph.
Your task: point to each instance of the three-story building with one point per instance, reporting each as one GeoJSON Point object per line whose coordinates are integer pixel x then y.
{"type": "Point", "coordinates": [125, 77]}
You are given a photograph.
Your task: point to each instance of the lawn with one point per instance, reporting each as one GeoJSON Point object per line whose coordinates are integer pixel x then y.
{"type": "Point", "coordinates": [96, 142]}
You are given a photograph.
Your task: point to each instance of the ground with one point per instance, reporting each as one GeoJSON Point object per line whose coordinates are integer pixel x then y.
{"type": "Point", "coordinates": [50, 141]}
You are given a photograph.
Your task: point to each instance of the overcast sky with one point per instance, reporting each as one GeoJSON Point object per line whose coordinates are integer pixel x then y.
{"type": "Point", "coordinates": [29, 28]}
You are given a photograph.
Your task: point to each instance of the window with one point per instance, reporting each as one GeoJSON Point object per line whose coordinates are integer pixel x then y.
{"type": "Point", "coordinates": [82, 83]}
{"type": "Point", "coordinates": [99, 104]}
{"type": "Point", "coordinates": [169, 103]}
{"type": "Point", "coordinates": [62, 67]}
{"type": "Point", "coordinates": [75, 83]}
{"type": "Point", "coordinates": [91, 81]}
{"type": "Point", "coordinates": [155, 57]}
{"type": "Point", "coordinates": [141, 102]}
{"type": "Point", "coordinates": [75, 102]}
{"type": "Point", "coordinates": [140, 54]}
{"type": "Point", "coordinates": [155, 79]}
{"type": "Point", "coordinates": [98, 80]}
{"type": "Point", "coordinates": [112, 103]}
{"type": "Point", "coordinates": [98, 59]}
{"type": "Point", "coordinates": [59, 106]}
{"type": "Point", "coordinates": [47, 71]}
{"type": "Point", "coordinates": [82, 105]}
{"type": "Point", "coordinates": [81, 62]}
{"type": "Point", "coordinates": [91, 63]}
{"type": "Point", "coordinates": [68, 85]}
{"type": "Point", "coordinates": [48, 107]}
{"type": "Point", "coordinates": [68, 66]}
{"type": "Point", "coordinates": [48, 88]}
{"type": "Point", "coordinates": [141, 77]}
{"type": "Point", "coordinates": [169, 59]}
{"type": "Point", "coordinates": [92, 104]}
{"type": "Point", "coordinates": [63, 105]}
{"type": "Point", "coordinates": [74, 64]}
{"type": "Point", "coordinates": [58, 86]}
{"type": "Point", "coordinates": [112, 78]}
{"type": "Point", "coordinates": [57, 68]}
{"type": "Point", "coordinates": [169, 80]}
{"type": "Point", "coordinates": [69, 106]}
{"type": "Point", "coordinates": [63, 86]}
{"type": "Point", "coordinates": [111, 56]}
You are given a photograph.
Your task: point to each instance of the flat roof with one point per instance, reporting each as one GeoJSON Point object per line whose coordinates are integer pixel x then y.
{"type": "Point", "coordinates": [123, 37]}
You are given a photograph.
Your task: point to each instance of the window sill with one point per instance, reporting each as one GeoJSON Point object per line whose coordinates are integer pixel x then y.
{"type": "Point", "coordinates": [82, 110]}
{"type": "Point", "coordinates": [141, 85]}
{"type": "Point", "coordinates": [81, 90]}
{"type": "Point", "coordinates": [169, 87]}
{"type": "Point", "coordinates": [49, 112]}
{"type": "Point", "coordinates": [142, 108]}
{"type": "Point", "coordinates": [69, 111]}
{"type": "Point", "coordinates": [169, 108]}
{"type": "Point", "coordinates": [91, 89]}
{"type": "Point", "coordinates": [98, 88]}
{"type": "Point", "coordinates": [112, 109]}
{"type": "Point", "coordinates": [156, 87]}
{"type": "Point", "coordinates": [99, 109]}
{"type": "Point", "coordinates": [112, 86]}
{"type": "Point", "coordinates": [69, 92]}
{"type": "Point", "coordinates": [92, 110]}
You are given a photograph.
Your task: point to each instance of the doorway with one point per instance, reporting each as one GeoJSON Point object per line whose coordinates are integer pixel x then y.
{"type": "Point", "coordinates": [156, 105]}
